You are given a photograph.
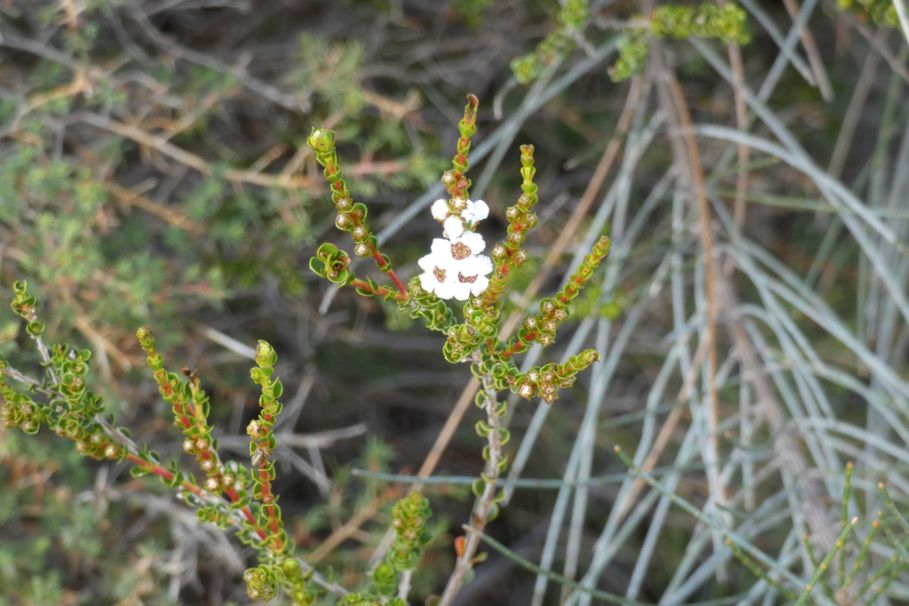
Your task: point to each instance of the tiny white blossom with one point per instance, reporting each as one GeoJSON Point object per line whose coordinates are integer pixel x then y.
{"type": "Point", "coordinates": [470, 278]}
{"type": "Point", "coordinates": [468, 244]}
{"type": "Point", "coordinates": [439, 209]}
{"type": "Point", "coordinates": [437, 276]}
{"type": "Point", "coordinates": [454, 268]}
{"type": "Point", "coordinates": [452, 227]}
{"type": "Point", "coordinates": [476, 211]}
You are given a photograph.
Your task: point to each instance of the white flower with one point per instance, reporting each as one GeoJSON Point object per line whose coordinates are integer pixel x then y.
{"type": "Point", "coordinates": [472, 277]}
{"type": "Point", "coordinates": [452, 227]}
{"type": "Point", "coordinates": [437, 276]}
{"type": "Point", "coordinates": [454, 269]}
{"type": "Point", "coordinates": [468, 244]}
{"type": "Point", "coordinates": [439, 209]}
{"type": "Point", "coordinates": [472, 212]}
{"type": "Point", "coordinates": [475, 211]}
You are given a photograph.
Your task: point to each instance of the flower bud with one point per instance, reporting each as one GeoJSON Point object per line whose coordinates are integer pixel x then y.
{"type": "Point", "coordinates": [265, 354]}
{"type": "Point", "coordinates": [526, 390]}
{"type": "Point", "coordinates": [360, 233]}
{"type": "Point", "coordinates": [342, 221]}
{"type": "Point", "coordinates": [362, 250]}
{"type": "Point", "coordinates": [322, 140]}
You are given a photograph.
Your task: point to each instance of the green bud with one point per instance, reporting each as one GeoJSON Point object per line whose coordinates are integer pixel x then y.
{"type": "Point", "coordinates": [265, 354]}
{"type": "Point", "coordinates": [146, 339]}
{"type": "Point", "coordinates": [321, 140]}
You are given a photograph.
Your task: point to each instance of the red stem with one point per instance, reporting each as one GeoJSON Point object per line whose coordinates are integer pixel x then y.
{"type": "Point", "coordinates": [518, 344]}
{"type": "Point", "coordinates": [168, 476]}
{"type": "Point", "coordinates": [380, 261]}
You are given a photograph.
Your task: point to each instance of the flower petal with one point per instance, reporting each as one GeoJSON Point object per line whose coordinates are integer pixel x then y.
{"type": "Point", "coordinates": [478, 210]}
{"type": "Point", "coordinates": [439, 209]}
{"type": "Point", "coordinates": [441, 248]}
{"type": "Point", "coordinates": [427, 262]}
{"type": "Point", "coordinates": [474, 241]}
{"type": "Point", "coordinates": [479, 285]}
{"type": "Point", "coordinates": [460, 290]}
{"type": "Point", "coordinates": [482, 265]}
{"type": "Point", "coordinates": [428, 281]}
{"type": "Point", "coordinates": [444, 290]}
{"type": "Point", "coordinates": [453, 227]}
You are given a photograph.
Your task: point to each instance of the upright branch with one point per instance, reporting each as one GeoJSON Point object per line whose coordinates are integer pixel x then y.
{"type": "Point", "coordinates": [190, 406]}
{"type": "Point", "coordinates": [279, 566]}
{"type": "Point", "coordinates": [249, 491]}
{"type": "Point", "coordinates": [541, 327]}
{"type": "Point", "coordinates": [510, 255]}
{"type": "Point", "coordinates": [351, 215]}
{"type": "Point", "coordinates": [485, 488]}
{"type": "Point", "coordinates": [455, 180]}
{"type": "Point", "coordinates": [262, 443]}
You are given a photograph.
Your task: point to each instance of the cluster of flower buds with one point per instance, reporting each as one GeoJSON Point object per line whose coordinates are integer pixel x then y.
{"type": "Point", "coordinates": [295, 581]}
{"type": "Point", "coordinates": [542, 326]}
{"type": "Point", "coordinates": [72, 407]}
{"type": "Point", "coordinates": [409, 518]}
{"type": "Point", "coordinates": [25, 305]}
{"type": "Point", "coordinates": [262, 443]}
{"type": "Point", "coordinates": [351, 215]}
{"type": "Point", "coordinates": [545, 381]}
{"type": "Point", "coordinates": [331, 263]}
{"type": "Point", "coordinates": [19, 410]}
{"type": "Point", "coordinates": [509, 255]}
{"type": "Point", "coordinates": [261, 583]}
{"type": "Point", "coordinates": [480, 323]}
{"type": "Point", "coordinates": [190, 407]}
